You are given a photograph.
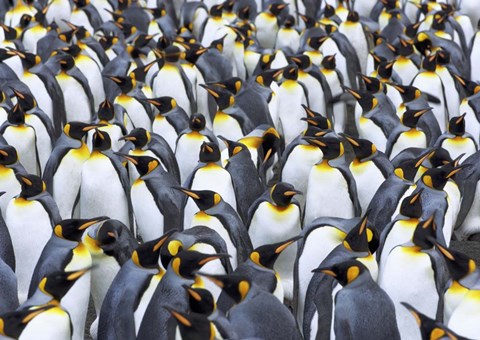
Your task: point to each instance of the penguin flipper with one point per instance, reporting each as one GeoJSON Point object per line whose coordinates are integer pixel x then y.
{"type": "Point", "coordinates": [59, 151]}
{"type": "Point", "coordinates": [188, 89]}
{"type": "Point", "coordinates": [161, 148]}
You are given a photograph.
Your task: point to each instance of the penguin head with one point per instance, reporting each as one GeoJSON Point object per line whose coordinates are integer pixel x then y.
{"type": "Point", "coordinates": [78, 130]}
{"type": "Point", "coordinates": [163, 104]}
{"type": "Point", "coordinates": [424, 233]}
{"type": "Point", "coordinates": [233, 85]}
{"type": "Point", "coordinates": [329, 11]}
{"type": "Point", "coordinates": [408, 93]}
{"type": "Point", "coordinates": [72, 229]}
{"type": "Point", "coordinates": [216, 11]}
{"type": "Point", "coordinates": [66, 62]}
{"type": "Point", "coordinates": [470, 87]}
{"type": "Point", "coordinates": [443, 57]}
{"type": "Point", "coordinates": [331, 147]}
{"type": "Point", "coordinates": [301, 60]}
{"type": "Point", "coordinates": [266, 255]}
{"type": "Point", "coordinates": [438, 22]}
{"type": "Point", "coordinates": [218, 43]}
{"type": "Point", "coordinates": [459, 264]}
{"type": "Point", "coordinates": [126, 84]}
{"type": "Point", "coordinates": [8, 155]}
{"type": "Point", "coordinates": [290, 72]}
{"type": "Point", "coordinates": [282, 194]}
{"type": "Point", "coordinates": [193, 325]}
{"type": "Point", "coordinates": [10, 33]}
{"type": "Point", "coordinates": [58, 283]}
{"type": "Point", "coordinates": [385, 69]}
{"type": "Point", "coordinates": [411, 206]}
{"type": "Point", "coordinates": [101, 141]}
{"type": "Point", "coordinates": [377, 59]}
{"type": "Point", "coordinates": [13, 323]}
{"type": "Point", "coordinates": [197, 122]}
{"type": "Point", "coordinates": [266, 77]}
{"type": "Point", "coordinates": [429, 328]}
{"type": "Point", "coordinates": [204, 199]}
{"type": "Point", "coordinates": [406, 48]}
{"type": "Point", "coordinates": [314, 119]}
{"type": "Point", "coordinates": [366, 100]}
{"type": "Point", "coordinates": [209, 153]}
{"type": "Point", "coordinates": [32, 185]}
{"type": "Point", "coordinates": [222, 96]}
{"type": "Point", "coordinates": [172, 54]}
{"type": "Point", "coordinates": [345, 272]}
{"type": "Point", "coordinates": [16, 115]}
{"type": "Point", "coordinates": [200, 300]}
{"type": "Point", "coordinates": [372, 84]}
{"type": "Point", "coordinates": [188, 262]}
{"type": "Point", "coordinates": [73, 50]}
{"type": "Point", "coordinates": [81, 3]}
{"type": "Point", "coordinates": [436, 178]}
{"type": "Point", "coordinates": [353, 16]}
{"type": "Point", "coordinates": [193, 52]}
{"type": "Point", "coordinates": [147, 254]}
{"type": "Point", "coordinates": [25, 21]}
{"type": "Point", "coordinates": [6, 54]}
{"type": "Point", "coordinates": [363, 148]}
{"type": "Point", "coordinates": [276, 8]}
{"type": "Point", "coordinates": [234, 285]}
{"type": "Point", "coordinates": [139, 137]}
{"type": "Point", "coordinates": [106, 111]}
{"type": "Point", "coordinates": [24, 99]}
{"type": "Point", "coordinates": [66, 36]}
{"type": "Point", "coordinates": [111, 238]}
{"type": "Point", "coordinates": [143, 164]}
{"type": "Point", "coordinates": [429, 63]}
{"type": "Point", "coordinates": [411, 116]}
{"type": "Point", "coordinates": [29, 60]}
{"type": "Point", "coordinates": [361, 238]}
{"type": "Point", "coordinates": [440, 158]}
{"type": "Point", "coordinates": [234, 148]}
{"type": "Point", "coordinates": [456, 125]}
{"type": "Point", "coordinates": [408, 168]}
{"type": "Point", "coordinates": [289, 21]}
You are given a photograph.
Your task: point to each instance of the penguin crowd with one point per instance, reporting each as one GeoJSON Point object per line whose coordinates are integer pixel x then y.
{"type": "Point", "coordinates": [239, 169]}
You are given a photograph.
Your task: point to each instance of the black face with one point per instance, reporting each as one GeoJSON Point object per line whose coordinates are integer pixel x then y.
{"type": "Point", "coordinates": [67, 37]}
{"type": "Point", "coordinates": [437, 178]}
{"type": "Point", "coordinates": [193, 326]}
{"type": "Point", "coordinates": [172, 54]}
{"type": "Point", "coordinates": [408, 93]}
{"type": "Point", "coordinates": [25, 100]}
{"type": "Point", "coordinates": [456, 125]}
{"type": "Point", "coordinates": [73, 229]}
{"type": "Point", "coordinates": [345, 272]}
{"type": "Point", "coordinates": [366, 100]}
{"type": "Point", "coordinates": [143, 164]}
{"type": "Point", "coordinates": [235, 285]}
{"type": "Point", "coordinates": [353, 16]}
{"type": "Point", "coordinates": [101, 141]}
{"type": "Point", "coordinates": [406, 48]}
{"type": "Point", "coordinates": [197, 122]}
{"type": "Point", "coordinates": [430, 63]}
{"type": "Point", "coordinates": [162, 104]}
{"type": "Point", "coordinates": [204, 199]}
{"type": "Point", "coordinates": [266, 77]}
{"type": "Point", "coordinates": [31, 185]}
{"type": "Point", "coordinates": [282, 194]}
{"type": "Point", "coordinates": [329, 11]}
{"type": "Point", "coordinates": [16, 115]}
{"type": "Point", "coordinates": [302, 61]}
{"type": "Point", "coordinates": [188, 262]}
{"type": "Point", "coordinates": [290, 72]}
{"type": "Point", "coordinates": [59, 283]}
{"type": "Point", "coordinates": [410, 117]}
{"type": "Point", "coordinates": [357, 239]}
{"type": "Point", "coordinates": [363, 148]}
{"type": "Point", "coordinates": [73, 50]}
{"type": "Point", "coordinates": [138, 136]}
{"type": "Point", "coordinates": [66, 62]}
{"type": "Point", "coordinates": [412, 205]}
{"type": "Point", "coordinates": [200, 300]}
{"type": "Point", "coordinates": [385, 69]}
{"type": "Point", "coordinates": [222, 97]}
{"type": "Point", "coordinates": [106, 111]}
{"type": "Point", "coordinates": [266, 255]}
{"type": "Point", "coordinates": [9, 32]}
{"type": "Point", "coordinates": [115, 239]}
{"type": "Point", "coordinates": [424, 233]}
{"type": "Point", "coordinates": [13, 322]}
{"type": "Point", "coordinates": [372, 84]}
{"type": "Point", "coordinates": [331, 147]}
{"type": "Point", "coordinates": [316, 119]}
{"type": "Point", "coordinates": [233, 85]}
{"type": "Point", "coordinates": [276, 9]}
{"type": "Point", "coordinates": [77, 130]}
{"type": "Point", "coordinates": [235, 148]}
{"type": "Point", "coordinates": [429, 328]}
{"type": "Point", "coordinates": [216, 11]}
{"type": "Point", "coordinates": [125, 84]}
{"type": "Point", "coordinates": [147, 254]}
{"type": "Point", "coordinates": [408, 168]}
{"type": "Point", "coordinates": [8, 155]}
{"type": "Point", "coordinates": [443, 57]}
{"type": "Point", "coordinates": [209, 152]}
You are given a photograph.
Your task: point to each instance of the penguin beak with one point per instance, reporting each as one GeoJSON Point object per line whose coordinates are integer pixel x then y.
{"type": "Point", "coordinates": [187, 192]}
{"type": "Point", "coordinates": [180, 317]}
{"type": "Point", "coordinates": [350, 139]}
{"type": "Point", "coordinates": [92, 222]}
{"type": "Point", "coordinates": [352, 92]}
{"type": "Point", "coordinates": [3, 153]}
{"type": "Point", "coordinates": [92, 127]}
{"type": "Point", "coordinates": [127, 157]}
{"type": "Point", "coordinates": [286, 244]}
{"type": "Point", "coordinates": [213, 257]}
{"type": "Point", "coordinates": [213, 93]}
{"type": "Point", "coordinates": [416, 197]}
{"type": "Point", "coordinates": [128, 138]}
{"type": "Point", "coordinates": [422, 112]}
{"type": "Point", "coordinates": [24, 180]}
{"type": "Point", "coordinates": [292, 193]}
{"type": "Point", "coordinates": [77, 274]}
{"type": "Point", "coordinates": [325, 270]}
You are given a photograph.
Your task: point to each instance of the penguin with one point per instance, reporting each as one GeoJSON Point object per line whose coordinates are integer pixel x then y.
{"type": "Point", "coordinates": [267, 24]}
{"type": "Point", "coordinates": [170, 120]}
{"type": "Point", "coordinates": [32, 204]}
{"type": "Point", "coordinates": [292, 95]}
{"type": "Point", "coordinates": [414, 274]}
{"type": "Point", "coordinates": [191, 325]}
{"type": "Point", "coordinates": [252, 306]}
{"type": "Point", "coordinates": [407, 63]}
{"type": "Point", "coordinates": [402, 227]}
{"type": "Point", "coordinates": [23, 138]}
{"type": "Point", "coordinates": [14, 14]}
{"type": "Point", "coordinates": [407, 134]}
{"type": "Point", "coordinates": [104, 188]}
{"type": "Point", "coordinates": [429, 327]}
{"type": "Point", "coordinates": [86, 15]}
{"type": "Point", "coordinates": [469, 106]}
{"type": "Point", "coordinates": [369, 168]}
{"type": "Point", "coordinates": [321, 188]}
{"type": "Point", "coordinates": [360, 290]}
{"type": "Point", "coordinates": [353, 29]}
{"type": "Point", "coordinates": [140, 142]}
{"type": "Point", "coordinates": [9, 167]}
{"type": "Point", "coordinates": [287, 35]}
{"type": "Point", "coordinates": [157, 206]}
{"type": "Point", "coordinates": [139, 113]}
{"type": "Point", "coordinates": [230, 120]}
{"type": "Point", "coordinates": [110, 244]}
{"type": "Point", "coordinates": [65, 251]}
{"type": "Point", "coordinates": [218, 215]}
{"type": "Point", "coordinates": [34, 29]}
{"type": "Point", "coordinates": [456, 141]}
{"type": "Point", "coordinates": [189, 143]}
{"type": "Point", "coordinates": [38, 120]}
{"type": "Point", "coordinates": [76, 91]}
{"type": "Point", "coordinates": [156, 322]}
{"type": "Point", "coordinates": [178, 86]}
{"type": "Point", "coordinates": [245, 179]}
{"type": "Point", "coordinates": [63, 170]}
{"type": "Point", "coordinates": [213, 23]}
{"type": "Point", "coordinates": [59, 12]}
{"type": "Point", "coordinates": [127, 298]}
{"type": "Point", "coordinates": [273, 217]}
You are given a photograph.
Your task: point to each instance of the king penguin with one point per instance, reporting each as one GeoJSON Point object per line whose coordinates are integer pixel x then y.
{"type": "Point", "coordinates": [9, 167]}
{"type": "Point", "coordinates": [456, 141]}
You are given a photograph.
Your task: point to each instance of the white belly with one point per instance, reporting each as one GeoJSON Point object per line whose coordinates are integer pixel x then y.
{"type": "Point", "coordinates": [186, 153]}
{"type": "Point", "coordinates": [464, 320]}
{"type": "Point", "coordinates": [458, 146]}
{"type": "Point", "coordinates": [227, 126]}
{"type": "Point", "coordinates": [368, 179]}
{"type": "Point", "coordinates": [91, 71]}
{"type": "Point", "coordinates": [9, 184]}
{"type": "Point", "coordinates": [367, 129]}
{"type": "Point", "coordinates": [136, 112]}
{"type": "Point", "coordinates": [430, 83]}
{"type": "Point", "coordinates": [162, 127]}
{"type": "Point", "coordinates": [148, 216]}
{"type": "Point", "coordinates": [104, 269]}
{"type": "Point", "coordinates": [39, 91]}
{"type": "Point", "coordinates": [43, 141]}
{"type": "Point", "coordinates": [30, 229]}
{"type": "Point", "coordinates": [174, 87]}
{"type": "Point", "coordinates": [405, 141]}
{"type": "Point", "coordinates": [51, 324]}
{"type": "Point", "coordinates": [291, 97]}
{"type": "Point", "coordinates": [76, 101]}
{"type": "Point", "coordinates": [23, 140]}
{"type": "Point", "coordinates": [144, 301]}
